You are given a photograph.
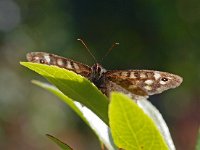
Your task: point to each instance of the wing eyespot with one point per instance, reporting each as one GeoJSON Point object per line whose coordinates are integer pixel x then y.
{"type": "Point", "coordinates": [164, 79]}
{"type": "Point", "coordinates": [42, 61]}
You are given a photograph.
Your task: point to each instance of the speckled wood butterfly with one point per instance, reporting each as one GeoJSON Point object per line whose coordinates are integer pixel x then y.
{"type": "Point", "coordinates": [138, 84]}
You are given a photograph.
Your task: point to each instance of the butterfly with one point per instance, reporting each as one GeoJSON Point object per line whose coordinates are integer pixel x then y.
{"type": "Point", "coordinates": [137, 84]}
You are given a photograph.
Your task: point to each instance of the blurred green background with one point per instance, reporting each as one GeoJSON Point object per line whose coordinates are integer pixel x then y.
{"type": "Point", "coordinates": [159, 35]}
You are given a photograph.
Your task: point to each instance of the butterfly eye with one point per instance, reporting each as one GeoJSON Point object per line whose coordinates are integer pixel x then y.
{"type": "Point", "coordinates": [164, 79]}
{"type": "Point", "coordinates": [42, 61]}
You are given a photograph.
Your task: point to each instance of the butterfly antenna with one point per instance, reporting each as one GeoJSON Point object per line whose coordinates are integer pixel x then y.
{"type": "Point", "coordinates": [87, 49]}
{"type": "Point", "coordinates": [109, 50]}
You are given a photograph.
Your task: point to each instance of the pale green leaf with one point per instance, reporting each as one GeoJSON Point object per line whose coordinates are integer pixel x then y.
{"type": "Point", "coordinates": [74, 86]}
{"type": "Point", "coordinates": [131, 128]}
{"type": "Point", "coordinates": [156, 116]}
{"type": "Point", "coordinates": [95, 123]}
{"type": "Point", "coordinates": [63, 97]}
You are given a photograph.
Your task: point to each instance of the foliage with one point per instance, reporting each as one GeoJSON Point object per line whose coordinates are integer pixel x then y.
{"type": "Point", "coordinates": [74, 86]}
{"type": "Point", "coordinates": [62, 145]}
{"type": "Point", "coordinates": [130, 127]}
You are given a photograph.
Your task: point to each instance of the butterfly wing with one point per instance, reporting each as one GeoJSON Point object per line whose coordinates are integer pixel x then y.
{"type": "Point", "coordinates": [144, 82]}
{"type": "Point", "coordinates": [111, 86]}
{"type": "Point", "coordinates": [139, 83]}
{"type": "Point", "coordinates": [51, 59]}
{"type": "Point", "coordinates": [122, 79]}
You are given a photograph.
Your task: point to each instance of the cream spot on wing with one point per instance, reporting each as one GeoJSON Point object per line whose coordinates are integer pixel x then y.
{"type": "Point", "coordinates": [60, 62]}
{"type": "Point", "coordinates": [124, 73]}
{"type": "Point", "coordinates": [157, 75]}
{"type": "Point", "coordinates": [149, 88]}
{"type": "Point", "coordinates": [76, 66]}
{"type": "Point", "coordinates": [36, 58]}
{"type": "Point", "coordinates": [162, 82]}
{"type": "Point", "coordinates": [47, 58]}
{"type": "Point", "coordinates": [132, 75]}
{"type": "Point", "coordinates": [69, 66]}
{"type": "Point", "coordinates": [170, 78]}
{"type": "Point", "coordinates": [142, 75]}
{"type": "Point", "coordinates": [148, 82]}
{"type": "Point", "coordinates": [132, 87]}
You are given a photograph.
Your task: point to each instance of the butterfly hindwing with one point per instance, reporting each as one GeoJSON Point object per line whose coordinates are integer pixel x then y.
{"type": "Point", "coordinates": [125, 79]}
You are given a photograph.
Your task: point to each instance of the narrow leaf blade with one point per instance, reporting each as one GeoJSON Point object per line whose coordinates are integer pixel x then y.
{"type": "Point", "coordinates": [61, 144]}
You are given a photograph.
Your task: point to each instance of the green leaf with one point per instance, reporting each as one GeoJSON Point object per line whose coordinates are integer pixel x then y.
{"type": "Point", "coordinates": [61, 144]}
{"type": "Point", "coordinates": [74, 86]}
{"type": "Point", "coordinates": [156, 116]}
{"type": "Point", "coordinates": [63, 97]}
{"type": "Point", "coordinates": [131, 128]}
{"type": "Point", "coordinates": [95, 123]}
{"type": "Point", "coordinates": [198, 141]}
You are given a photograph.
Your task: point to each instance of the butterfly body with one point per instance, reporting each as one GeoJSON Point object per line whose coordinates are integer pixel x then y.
{"type": "Point", "coordinates": [138, 84]}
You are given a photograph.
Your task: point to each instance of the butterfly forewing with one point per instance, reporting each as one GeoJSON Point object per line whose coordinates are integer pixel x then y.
{"type": "Point", "coordinates": [144, 82]}
{"type": "Point", "coordinates": [51, 59]}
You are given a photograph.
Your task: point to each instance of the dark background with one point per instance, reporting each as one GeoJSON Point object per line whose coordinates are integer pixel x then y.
{"type": "Point", "coordinates": [160, 35]}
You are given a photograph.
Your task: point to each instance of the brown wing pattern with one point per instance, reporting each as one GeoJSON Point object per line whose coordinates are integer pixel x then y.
{"type": "Point", "coordinates": [51, 59]}
{"type": "Point", "coordinates": [144, 82]}
{"type": "Point", "coordinates": [111, 86]}
{"type": "Point", "coordinates": [138, 83]}
{"type": "Point", "coordinates": [130, 80]}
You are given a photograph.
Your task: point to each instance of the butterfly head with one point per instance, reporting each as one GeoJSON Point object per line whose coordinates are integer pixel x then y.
{"type": "Point", "coordinates": [39, 57]}
{"type": "Point", "coordinates": [97, 71]}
